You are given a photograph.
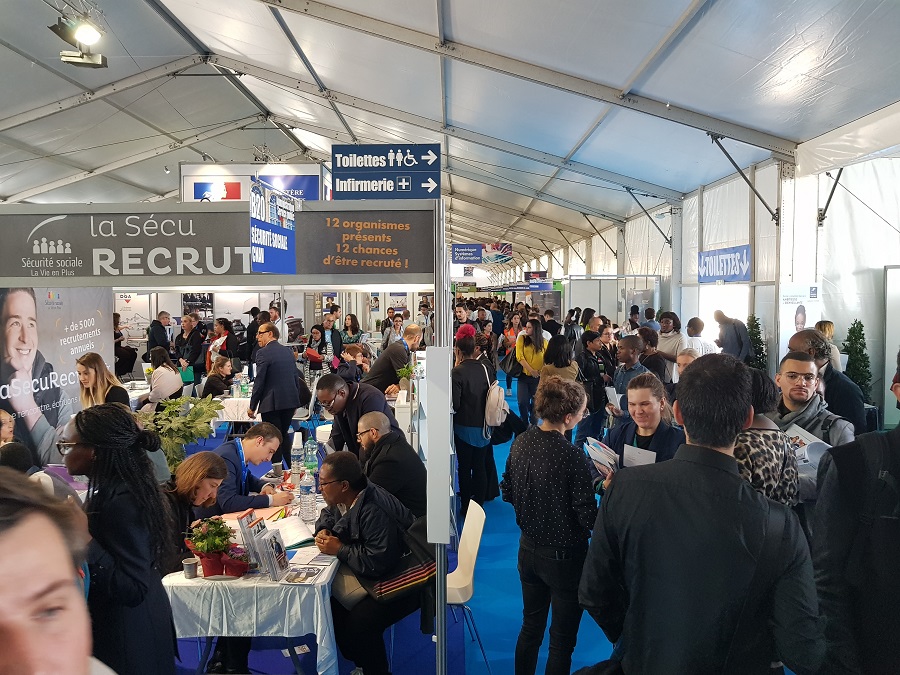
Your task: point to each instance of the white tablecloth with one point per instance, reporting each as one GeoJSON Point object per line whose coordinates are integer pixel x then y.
{"type": "Point", "coordinates": [235, 410]}
{"type": "Point", "coordinates": [135, 393]}
{"type": "Point", "coordinates": [254, 606]}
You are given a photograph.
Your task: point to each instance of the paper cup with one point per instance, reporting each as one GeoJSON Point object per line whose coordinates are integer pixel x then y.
{"type": "Point", "coordinates": [190, 567]}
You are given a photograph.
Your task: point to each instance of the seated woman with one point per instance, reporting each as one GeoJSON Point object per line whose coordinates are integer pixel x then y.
{"type": "Point", "coordinates": [97, 384]}
{"type": "Point", "coordinates": [220, 378]}
{"type": "Point", "coordinates": [196, 483]}
{"type": "Point", "coordinates": [647, 429]}
{"type": "Point", "coordinates": [129, 527]}
{"type": "Point", "coordinates": [362, 524]}
{"type": "Point", "coordinates": [125, 354]}
{"type": "Point", "coordinates": [165, 382]}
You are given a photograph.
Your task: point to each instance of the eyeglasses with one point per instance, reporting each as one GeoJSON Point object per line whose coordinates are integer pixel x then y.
{"type": "Point", "coordinates": [328, 405]}
{"type": "Point", "coordinates": [260, 332]}
{"type": "Point", "coordinates": [808, 378]}
{"type": "Point", "coordinates": [363, 432]}
{"type": "Point", "coordinates": [328, 482]}
{"type": "Point", "coordinates": [65, 447]}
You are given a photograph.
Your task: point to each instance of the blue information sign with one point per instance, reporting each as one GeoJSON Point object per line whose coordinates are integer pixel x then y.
{"type": "Point", "coordinates": [296, 186]}
{"type": "Point", "coordinates": [724, 264]}
{"type": "Point", "coordinates": [464, 254]}
{"type": "Point", "coordinates": [272, 230]}
{"type": "Point", "coordinates": [392, 171]}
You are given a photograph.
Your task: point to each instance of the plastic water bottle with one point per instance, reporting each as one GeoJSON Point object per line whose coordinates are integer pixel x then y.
{"type": "Point", "coordinates": [296, 464]}
{"type": "Point", "coordinates": [307, 497]}
{"type": "Point", "coordinates": [245, 387]}
{"type": "Point", "coordinates": [310, 455]}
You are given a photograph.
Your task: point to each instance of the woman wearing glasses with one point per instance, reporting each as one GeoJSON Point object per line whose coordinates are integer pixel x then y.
{"type": "Point", "coordinates": [548, 483]}
{"type": "Point", "coordinates": [129, 528]}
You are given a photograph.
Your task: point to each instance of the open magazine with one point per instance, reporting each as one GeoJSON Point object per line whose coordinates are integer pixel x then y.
{"type": "Point", "coordinates": [603, 456]}
{"type": "Point", "coordinates": [808, 450]}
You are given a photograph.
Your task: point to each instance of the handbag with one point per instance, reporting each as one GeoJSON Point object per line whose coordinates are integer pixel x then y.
{"type": "Point", "coordinates": [346, 589]}
{"type": "Point", "coordinates": [187, 374]}
{"type": "Point", "coordinates": [415, 570]}
{"type": "Point", "coordinates": [510, 364]}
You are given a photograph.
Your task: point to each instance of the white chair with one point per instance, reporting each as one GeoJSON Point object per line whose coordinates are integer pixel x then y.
{"type": "Point", "coordinates": [187, 389]}
{"type": "Point", "coordinates": [461, 581]}
{"type": "Point", "coordinates": [202, 386]}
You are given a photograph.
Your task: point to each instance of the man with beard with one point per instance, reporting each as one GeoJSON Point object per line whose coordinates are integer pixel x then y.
{"type": "Point", "coordinates": [390, 461]}
{"type": "Point", "coordinates": [38, 405]}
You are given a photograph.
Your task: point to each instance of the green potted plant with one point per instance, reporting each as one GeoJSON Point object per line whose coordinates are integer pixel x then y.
{"type": "Point", "coordinates": [210, 540]}
{"type": "Point", "coordinates": [858, 368]}
{"type": "Point", "coordinates": [405, 374]}
{"type": "Point", "coordinates": [759, 357]}
{"type": "Point", "coordinates": [177, 428]}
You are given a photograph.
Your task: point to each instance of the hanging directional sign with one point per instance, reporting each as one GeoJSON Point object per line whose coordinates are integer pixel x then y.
{"type": "Point", "coordinates": [724, 264]}
{"type": "Point", "coordinates": [391, 171]}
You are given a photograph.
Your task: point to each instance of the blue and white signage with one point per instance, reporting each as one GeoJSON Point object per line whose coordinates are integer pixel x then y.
{"type": "Point", "coordinates": [540, 285]}
{"type": "Point", "coordinates": [272, 230]}
{"type": "Point", "coordinates": [465, 254]}
{"type": "Point", "coordinates": [298, 187]}
{"type": "Point", "coordinates": [392, 171]}
{"type": "Point", "coordinates": [724, 264]}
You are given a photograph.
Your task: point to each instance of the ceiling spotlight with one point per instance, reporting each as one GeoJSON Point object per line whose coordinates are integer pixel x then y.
{"type": "Point", "coordinates": [166, 169]}
{"type": "Point", "coordinates": [206, 158]}
{"type": "Point", "coordinates": [87, 33]}
{"type": "Point", "coordinates": [81, 33]}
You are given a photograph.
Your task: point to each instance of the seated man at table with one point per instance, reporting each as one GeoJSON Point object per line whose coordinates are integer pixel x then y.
{"type": "Point", "coordinates": [390, 461]}
{"type": "Point", "coordinates": [18, 457]}
{"type": "Point", "coordinates": [241, 490]}
{"type": "Point", "coordinates": [347, 402]}
{"type": "Point", "coordinates": [362, 524]}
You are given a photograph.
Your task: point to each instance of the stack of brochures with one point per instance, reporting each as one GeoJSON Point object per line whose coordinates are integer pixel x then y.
{"type": "Point", "coordinates": [603, 456]}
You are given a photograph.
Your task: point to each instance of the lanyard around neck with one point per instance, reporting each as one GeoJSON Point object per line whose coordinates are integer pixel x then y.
{"type": "Point", "coordinates": [245, 470]}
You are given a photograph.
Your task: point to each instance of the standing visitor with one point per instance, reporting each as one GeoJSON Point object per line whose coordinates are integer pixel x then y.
{"type": "Point", "coordinates": [128, 524]}
{"type": "Point", "coordinates": [351, 333]}
{"type": "Point", "coordinates": [548, 483]}
{"type": "Point", "coordinates": [470, 381]}
{"type": "Point", "coordinates": [530, 346]}
{"type": "Point", "coordinates": [671, 342]}
{"type": "Point", "coordinates": [649, 425]}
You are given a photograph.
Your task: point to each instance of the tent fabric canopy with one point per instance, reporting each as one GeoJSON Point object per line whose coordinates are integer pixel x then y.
{"type": "Point", "coordinates": [545, 114]}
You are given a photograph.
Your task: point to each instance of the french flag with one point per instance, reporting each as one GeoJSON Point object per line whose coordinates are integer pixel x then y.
{"type": "Point", "coordinates": [218, 190]}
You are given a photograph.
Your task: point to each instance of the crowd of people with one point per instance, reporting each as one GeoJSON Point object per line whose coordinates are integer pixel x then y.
{"type": "Point", "coordinates": [727, 552]}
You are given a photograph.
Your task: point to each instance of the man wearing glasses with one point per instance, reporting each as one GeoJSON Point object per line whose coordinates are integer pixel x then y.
{"type": "Point", "coordinates": [802, 405]}
{"type": "Point", "coordinates": [278, 389]}
{"type": "Point", "coordinates": [390, 461]}
{"type": "Point", "coordinates": [348, 402]}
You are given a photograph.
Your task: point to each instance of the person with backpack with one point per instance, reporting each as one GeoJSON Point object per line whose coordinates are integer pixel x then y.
{"type": "Point", "coordinates": [470, 381]}
{"type": "Point", "coordinates": [856, 552]}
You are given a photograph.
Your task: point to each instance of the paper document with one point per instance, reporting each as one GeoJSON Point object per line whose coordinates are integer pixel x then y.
{"type": "Point", "coordinates": [808, 448]}
{"type": "Point", "coordinates": [302, 575]}
{"type": "Point", "coordinates": [311, 556]}
{"type": "Point", "coordinates": [294, 532]}
{"type": "Point", "coordinates": [634, 456]}
{"type": "Point", "coordinates": [603, 456]}
{"type": "Point", "coordinates": [612, 396]}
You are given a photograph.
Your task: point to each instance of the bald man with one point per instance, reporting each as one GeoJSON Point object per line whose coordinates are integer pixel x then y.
{"type": "Point", "coordinates": [390, 461]}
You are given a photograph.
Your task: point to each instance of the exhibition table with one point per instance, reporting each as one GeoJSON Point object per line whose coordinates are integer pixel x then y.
{"type": "Point", "coordinates": [253, 606]}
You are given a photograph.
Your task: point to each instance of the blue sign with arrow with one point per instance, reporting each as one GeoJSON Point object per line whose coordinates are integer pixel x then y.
{"type": "Point", "coordinates": [724, 264]}
{"type": "Point", "coordinates": [391, 171]}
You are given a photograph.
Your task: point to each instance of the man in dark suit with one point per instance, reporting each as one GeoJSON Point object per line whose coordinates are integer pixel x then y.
{"type": "Point", "coordinates": [277, 390]}
{"type": "Point", "coordinates": [257, 446]}
{"type": "Point", "coordinates": [383, 373]}
{"type": "Point", "coordinates": [348, 402]}
{"type": "Point", "coordinates": [390, 461]}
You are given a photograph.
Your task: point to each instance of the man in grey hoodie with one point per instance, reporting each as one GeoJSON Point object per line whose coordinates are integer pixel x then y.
{"type": "Point", "coordinates": [801, 404]}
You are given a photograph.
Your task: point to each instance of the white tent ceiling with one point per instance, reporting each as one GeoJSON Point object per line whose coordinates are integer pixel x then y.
{"type": "Point", "coordinates": [546, 112]}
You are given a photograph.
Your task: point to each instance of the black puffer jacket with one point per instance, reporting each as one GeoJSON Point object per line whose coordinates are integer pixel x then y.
{"type": "Point", "coordinates": [592, 370]}
{"type": "Point", "coordinates": [371, 532]}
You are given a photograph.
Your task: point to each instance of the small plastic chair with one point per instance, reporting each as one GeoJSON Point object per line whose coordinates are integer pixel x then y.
{"type": "Point", "coordinates": [461, 581]}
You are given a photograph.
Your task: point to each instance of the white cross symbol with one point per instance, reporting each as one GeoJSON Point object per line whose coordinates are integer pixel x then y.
{"type": "Point", "coordinates": [403, 183]}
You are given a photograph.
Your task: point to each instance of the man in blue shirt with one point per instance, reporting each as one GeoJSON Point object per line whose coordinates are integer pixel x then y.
{"type": "Point", "coordinates": [650, 316]}
{"type": "Point", "coordinates": [629, 350]}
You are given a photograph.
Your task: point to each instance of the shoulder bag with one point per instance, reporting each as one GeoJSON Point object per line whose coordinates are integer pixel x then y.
{"type": "Point", "coordinates": [415, 570]}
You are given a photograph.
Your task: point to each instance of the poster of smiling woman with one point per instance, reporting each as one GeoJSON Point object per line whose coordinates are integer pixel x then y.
{"type": "Point", "coordinates": [44, 331]}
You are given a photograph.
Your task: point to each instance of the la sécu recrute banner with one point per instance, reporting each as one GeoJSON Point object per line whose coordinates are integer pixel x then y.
{"type": "Point", "coordinates": [44, 331]}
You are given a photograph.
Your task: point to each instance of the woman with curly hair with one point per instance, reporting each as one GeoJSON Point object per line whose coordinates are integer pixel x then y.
{"type": "Point", "coordinates": [129, 526]}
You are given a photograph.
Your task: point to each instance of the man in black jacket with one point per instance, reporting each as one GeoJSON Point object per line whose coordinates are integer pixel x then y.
{"type": "Point", "coordinates": [681, 599]}
{"type": "Point", "coordinates": [349, 401]}
{"type": "Point", "coordinates": [390, 461]}
{"type": "Point", "coordinates": [362, 524]}
{"type": "Point", "coordinates": [843, 395]}
{"type": "Point", "coordinates": [855, 552]}
{"type": "Point", "coordinates": [383, 373]}
{"type": "Point", "coordinates": [157, 335]}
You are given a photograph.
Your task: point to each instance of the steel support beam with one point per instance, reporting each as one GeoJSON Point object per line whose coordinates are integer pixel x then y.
{"type": "Point", "coordinates": [508, 210]}
{"type": "Point", "coordinates": [534, 73]}
{"type": "Point", "coordinates": [600, 234]}
{"type": "Point", "coordinates": [133, 159]}
{"type": "Point", "coordinates": [717, 140]}
{"type": "Point", "coordinates": [166, 70]}
{"type": "Point", "coordinates": [510, 236]}
{"type": "Point", "coordinates": [439, 127]}
{"type": "Point", "coordinates": [515, 230]}
{"type": "Point", "coordinates": [652, 219]}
